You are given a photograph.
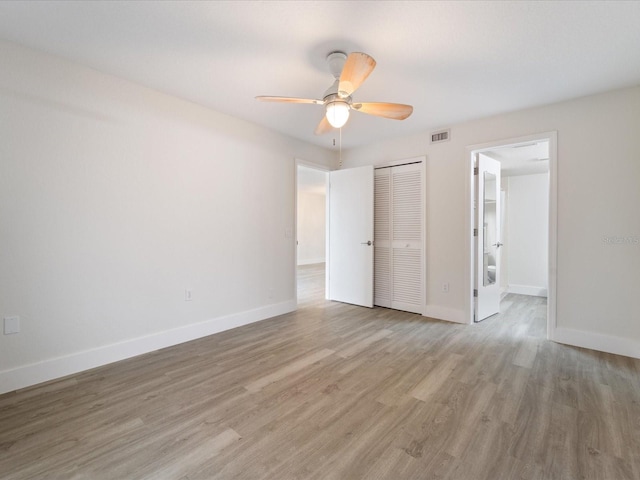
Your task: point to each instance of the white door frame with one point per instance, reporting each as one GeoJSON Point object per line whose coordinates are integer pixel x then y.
{"type": "Point", "coordinates": [298, 162]}
{"type": "Point", "coordinates": [552, 137]}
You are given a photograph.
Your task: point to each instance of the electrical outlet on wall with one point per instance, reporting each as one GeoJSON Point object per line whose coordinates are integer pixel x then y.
{"type": "Point", "coordinates": [445, 287]}
{"type": "Point", "coordinates": [188, 295]}
{"type": "Point", "coordinates": [11, 325]}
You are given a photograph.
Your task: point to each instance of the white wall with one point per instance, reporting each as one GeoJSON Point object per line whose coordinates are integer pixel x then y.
{"type": "Point", "coordinates": [311, 227]}
{"type": "Point", "coordinates": [528, 227]}
{"type": "Point", "coordinates": [114, 199]}
{"type": "Point", "coordinates": [598, 194]}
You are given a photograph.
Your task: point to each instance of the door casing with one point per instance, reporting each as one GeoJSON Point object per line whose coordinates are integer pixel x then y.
{"type": "Point", "coordinates": [552, 138]}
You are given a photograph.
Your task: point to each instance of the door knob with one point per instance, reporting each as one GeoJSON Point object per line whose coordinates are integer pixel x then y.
{"type": "Point", "coordinates": [368, 242]}
{"type": "Point", "coordinates": [498, 244]}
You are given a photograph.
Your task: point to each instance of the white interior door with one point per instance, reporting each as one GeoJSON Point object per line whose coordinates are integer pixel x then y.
{"type": "Point", "coordinates": [488, 237]}
{"type": "Point", "coordinates": [351, 236]}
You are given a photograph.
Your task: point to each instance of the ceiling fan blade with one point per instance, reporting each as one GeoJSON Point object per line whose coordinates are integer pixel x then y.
{"type": "Point", "coordinates": [323, 127]}
{"type": "Point", "coordinates": [264, 98]}
{"type": "Point", "coordinates": [395, 111]}
{"type": "Point", "coordinates": [355, 71]}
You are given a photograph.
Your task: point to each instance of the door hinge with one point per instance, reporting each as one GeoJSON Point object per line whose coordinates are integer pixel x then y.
{"type": "Point", "coordinates": [475, 232]}
{"type": "Point", "coordinates": [476, 170]}
{"type": "Point", "coordinates": [475, 292]}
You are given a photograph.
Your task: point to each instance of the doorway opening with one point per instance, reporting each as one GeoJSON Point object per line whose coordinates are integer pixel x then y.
{"type": "Point", "coordinates": [311, 232]}
{"type": "Point", "coordinates": [512, 224]}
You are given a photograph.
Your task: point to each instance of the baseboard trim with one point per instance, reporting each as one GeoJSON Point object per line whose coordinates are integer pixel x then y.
{"type": "Point", "coordinates": [527, 290]}
{"type": "Point", "coordinates": [311, 261]}
{"type": "Point", "coordinates": [444, 313]}
{"type": "Point", "coordinates": [33, 374]}
{"type": "Point", "coordinates": [597, 341]}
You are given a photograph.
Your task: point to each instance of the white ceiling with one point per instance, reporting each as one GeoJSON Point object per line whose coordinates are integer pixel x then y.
{"type": "Point", "coordinates": [453, 61]}
{"type": "Point", "coordinates": [525, 159]}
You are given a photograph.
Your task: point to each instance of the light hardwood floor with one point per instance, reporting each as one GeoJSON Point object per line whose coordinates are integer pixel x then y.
{"type": "Point", "coordinates": [334, 391]}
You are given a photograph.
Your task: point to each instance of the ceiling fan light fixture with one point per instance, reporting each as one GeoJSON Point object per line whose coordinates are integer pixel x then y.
{"type": "Point", "coordinates": [337, 113]}
{"type": "Point", "coordinates": [349, 73]}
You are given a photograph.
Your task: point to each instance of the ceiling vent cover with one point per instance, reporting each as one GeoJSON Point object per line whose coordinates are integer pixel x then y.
{"type": "Point", "coordinates": [441, 136]}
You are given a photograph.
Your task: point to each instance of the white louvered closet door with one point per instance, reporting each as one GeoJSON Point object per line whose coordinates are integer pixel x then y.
{"type": "Point", "coordinates": [398, 262]}
{"type": "Point", "coordinates": [382, 238]}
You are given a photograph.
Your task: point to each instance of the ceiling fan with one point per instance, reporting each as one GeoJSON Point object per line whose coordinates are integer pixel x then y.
{"type": "Point", "coordinates": [349, 72]}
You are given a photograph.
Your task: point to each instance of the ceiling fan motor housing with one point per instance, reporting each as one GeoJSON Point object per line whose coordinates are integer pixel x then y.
{"type": "Point", "coordinates": [336, 62]}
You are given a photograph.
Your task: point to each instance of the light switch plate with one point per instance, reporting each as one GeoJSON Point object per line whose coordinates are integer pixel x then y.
{"type": "Point", "coordinates": [11, 325]}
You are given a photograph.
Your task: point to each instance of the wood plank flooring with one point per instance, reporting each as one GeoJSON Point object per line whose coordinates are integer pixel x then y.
{"type": "Point", "coordinates": [335, 391]}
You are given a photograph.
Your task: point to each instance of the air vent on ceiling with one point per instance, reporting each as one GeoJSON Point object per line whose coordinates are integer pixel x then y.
{"type": "Point", "coordinates": [441, 136]}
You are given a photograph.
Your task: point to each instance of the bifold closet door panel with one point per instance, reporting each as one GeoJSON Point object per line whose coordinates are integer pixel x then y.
{"type": "Point", "coordinates": [406, 242]}
{"type": "Point", "coordinates": [382, 238]}
{"type": "Point", "coordinates": [399, 264]}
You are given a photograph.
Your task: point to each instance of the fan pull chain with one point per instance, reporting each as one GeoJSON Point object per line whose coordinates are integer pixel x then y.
{"type": "Point", "coordinates": [340, 148]}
